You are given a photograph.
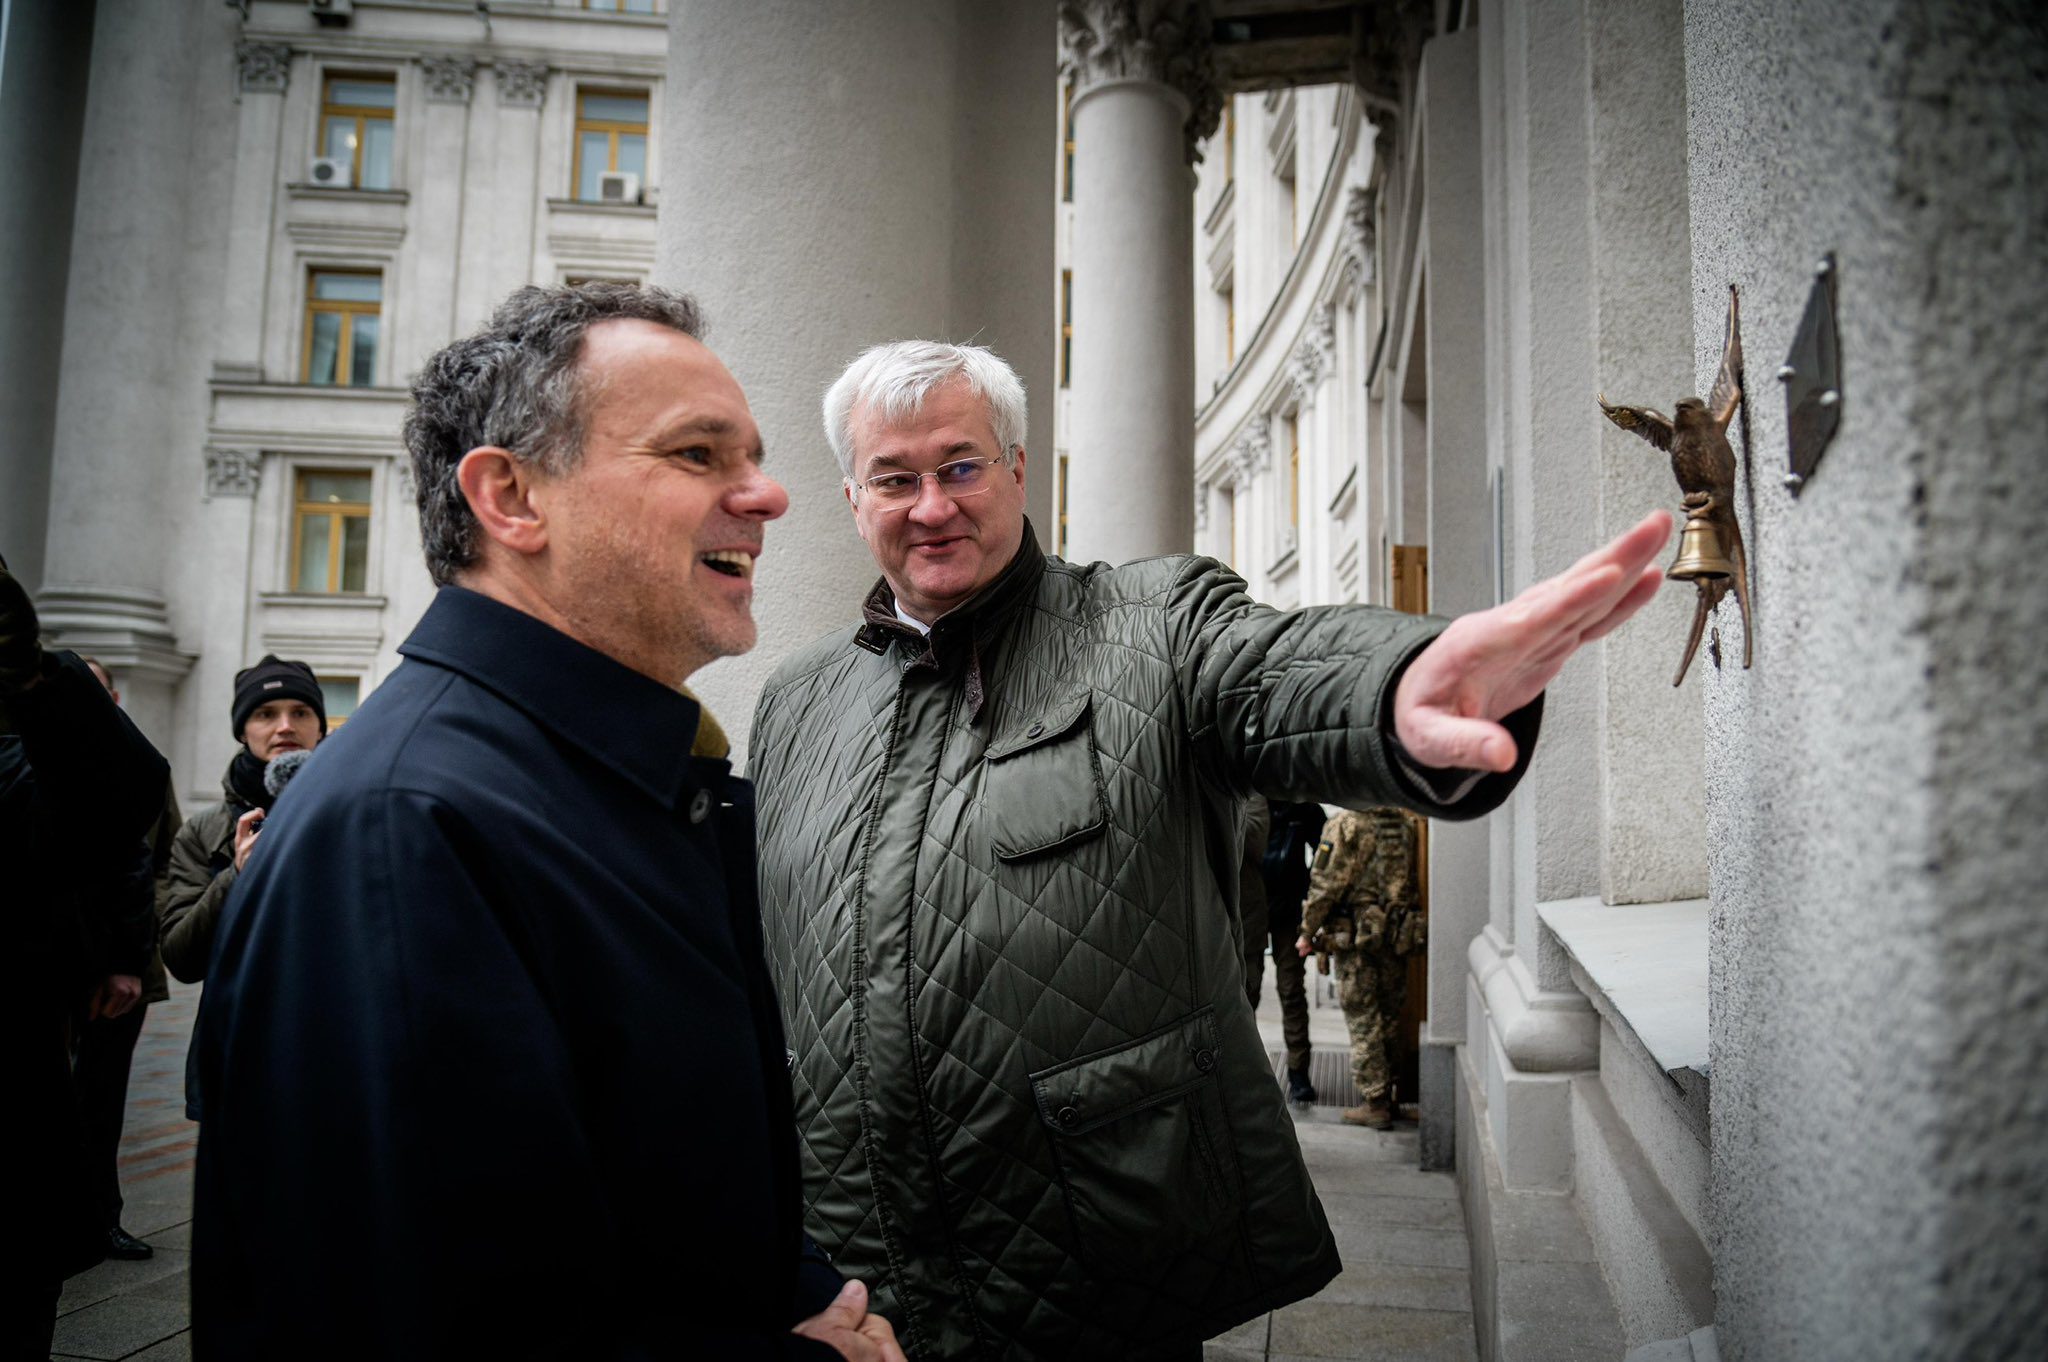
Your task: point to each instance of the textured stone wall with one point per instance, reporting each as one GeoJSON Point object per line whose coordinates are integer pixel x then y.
{"type": "Point", "coordinates": [1880, 950]}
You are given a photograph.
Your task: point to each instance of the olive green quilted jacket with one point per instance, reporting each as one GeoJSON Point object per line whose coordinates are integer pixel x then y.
{"type": "Point", "coordinates": [998, 870]}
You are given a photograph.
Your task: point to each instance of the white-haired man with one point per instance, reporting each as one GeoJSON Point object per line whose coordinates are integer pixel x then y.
{"type": "Point", "coordinates": [998, 861]}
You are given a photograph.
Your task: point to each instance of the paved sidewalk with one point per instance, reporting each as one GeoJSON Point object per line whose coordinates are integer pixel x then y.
{"type": "Point", "coordinates": [1405, 1291]}
{"type": "Point", "coordinates": [138, 1310]}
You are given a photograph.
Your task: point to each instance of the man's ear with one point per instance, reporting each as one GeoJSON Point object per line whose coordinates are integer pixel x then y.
{"type": "Point", "coordinates": [499, 489]}
{"type": "Point", "coordinates": [1018, 467]}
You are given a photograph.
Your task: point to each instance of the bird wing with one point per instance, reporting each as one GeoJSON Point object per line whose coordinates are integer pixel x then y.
{"type": "Point", "coordinates": [1728, 383]}
{"type": "Point", "coordinates": [1651, 424]}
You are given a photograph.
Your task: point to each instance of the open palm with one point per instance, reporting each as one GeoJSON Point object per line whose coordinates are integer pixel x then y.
{"type": "Point", "coordinates": [1489, 664]}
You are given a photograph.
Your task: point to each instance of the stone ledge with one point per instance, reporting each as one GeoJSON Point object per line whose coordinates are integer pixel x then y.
{"type": "Point", "coordinates": [1647, 967]}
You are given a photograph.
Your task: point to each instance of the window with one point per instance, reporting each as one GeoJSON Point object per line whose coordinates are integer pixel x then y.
{"type": "Point", "coordinates": [1066, 328]}
{"type": "Point", "coordinates": [1294, 470]}
{"type": "Point", "coordinates": [611, 134]}
{"type": "Point", "coordinates": [339, 694]}
{"type": "Point", "coordinates": [1229, 140]}
{"type": "Point", "coordinates": [343, 310]}
{"type": "Point", "coordinates": [1067, 131]}
{"type": "Point", "coordinates": [1230, 323]}
{"type": "Point", "coordinates": [621, 6]}
{"type": "Point", "coordinates": [1060, 540]}
{"type": "Point", "coordinates": [331, 531]}
{"type": "Point", "coordinates": [355, 126]}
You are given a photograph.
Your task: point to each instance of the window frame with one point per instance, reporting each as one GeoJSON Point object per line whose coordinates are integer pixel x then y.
{"type": "Point", "coordinates": [612, 127]}
{"type": "Point", "coordinates": [362, 113]}
{"type": "Point", "coordinates": [348, 310]}
{"type": "Point", "coordinates": [337, 513]}
{"type": "Point", "coordinates": [1066, 328]}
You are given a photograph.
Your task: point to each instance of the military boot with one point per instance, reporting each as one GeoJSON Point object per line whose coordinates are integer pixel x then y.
{"type": "Point", "coordinates": [1300, 1091]}
{"type": "Point", "coordinates": [1375, 1114]}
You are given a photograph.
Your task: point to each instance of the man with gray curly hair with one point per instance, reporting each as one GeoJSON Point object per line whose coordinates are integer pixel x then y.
{"type": "Point", "coordinates": [999, 865]}
{"type": "Point", "coordinates": [491, 1059]}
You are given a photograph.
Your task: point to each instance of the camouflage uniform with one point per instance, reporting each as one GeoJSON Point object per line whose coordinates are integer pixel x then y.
{"type": "Point", "coordinates": [1364, 908]}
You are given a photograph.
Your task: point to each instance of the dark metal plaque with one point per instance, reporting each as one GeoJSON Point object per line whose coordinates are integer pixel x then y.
{"type": "Point", "coordinates": [1812, 376]}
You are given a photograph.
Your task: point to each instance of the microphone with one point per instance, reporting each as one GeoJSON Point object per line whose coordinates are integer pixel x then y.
{"type": "Point", "coordinates": [281, 769]}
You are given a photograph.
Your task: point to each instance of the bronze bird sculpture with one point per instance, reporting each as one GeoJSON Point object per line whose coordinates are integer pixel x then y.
{"type": "Point", "coordinates": [1710, 552]}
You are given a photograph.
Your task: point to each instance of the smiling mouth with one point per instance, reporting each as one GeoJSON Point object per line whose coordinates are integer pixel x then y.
{"type": "Point", "coordinates": [732, 562]}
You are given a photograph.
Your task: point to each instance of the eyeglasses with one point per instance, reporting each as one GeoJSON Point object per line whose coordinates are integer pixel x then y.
{"type": "Point", "coordinates": [959, 479]}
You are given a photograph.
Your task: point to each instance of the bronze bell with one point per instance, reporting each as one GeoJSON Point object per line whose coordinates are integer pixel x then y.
{"type": "Point", "coordinates": [1701, 555]}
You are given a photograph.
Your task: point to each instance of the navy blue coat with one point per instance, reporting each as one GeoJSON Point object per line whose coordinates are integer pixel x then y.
{"type": "Point", "coordinates": [491, 1060]}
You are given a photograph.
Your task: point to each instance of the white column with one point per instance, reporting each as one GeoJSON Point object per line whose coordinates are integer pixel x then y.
{"type": "Point", "coordinates": [908, 192]}
{"type": "Point", "coordinates": [435, 226]}
{"type": "Point", "coordinates": [264, 69]}
{"type": "Point", "coordinates": [140, 296]}
{"type": "Point", "coordinates": [1141, 102]}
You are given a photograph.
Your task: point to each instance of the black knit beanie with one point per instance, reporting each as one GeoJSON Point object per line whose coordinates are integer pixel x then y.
{"type": "Point", "coordinates": [276, 679]}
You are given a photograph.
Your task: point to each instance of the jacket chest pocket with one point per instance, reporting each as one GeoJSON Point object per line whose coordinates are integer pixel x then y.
{"type": "Point", "coordinates": [1042, 786]}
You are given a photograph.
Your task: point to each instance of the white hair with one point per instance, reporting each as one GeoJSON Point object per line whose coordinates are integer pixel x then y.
{"type": "Point", "coordinates": [894, 379]}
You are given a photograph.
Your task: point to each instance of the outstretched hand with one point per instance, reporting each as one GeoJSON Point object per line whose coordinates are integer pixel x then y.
{"type": "Point", "coordinates": [1490, 663]}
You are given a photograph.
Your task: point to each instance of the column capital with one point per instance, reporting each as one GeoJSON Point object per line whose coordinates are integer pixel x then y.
{"type": "Point", "coordinates": [450, 79]}
{"type": "Point", "coordinates": [233, 472]}
{"type": "Point", "coordinates": [522, 84]}
{"type": "Point", "coordinates": [1165, 41]}
{"type": "Point", "coordinates": [263, 66]}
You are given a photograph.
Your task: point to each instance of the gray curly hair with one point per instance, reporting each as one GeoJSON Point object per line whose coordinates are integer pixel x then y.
{"type": "Point", "coordinates": [516, 384]}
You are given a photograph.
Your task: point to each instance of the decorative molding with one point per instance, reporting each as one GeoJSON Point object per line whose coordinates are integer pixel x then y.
{"type": "Point", "coordinates": [1201, 507]}
{"type": "Point", "coordinates": [265, 67]}
{"type": "Point", "coordinates": [450, 80]}
{"type": "Point", "coordinates": [522, 84]}
{"type": "Point", "coordinates": [1361, 230]}
{"type": "Point", "coordinates": [401, 476]}
{"type": "Point", "coordinates": [1313, 355]}
{"type": "Point", "coordinates": [1253, 452]}
{"type": "Point", "coordinates": [233, 472]}
{"type": "Point", "coordinates": [1167, 41]}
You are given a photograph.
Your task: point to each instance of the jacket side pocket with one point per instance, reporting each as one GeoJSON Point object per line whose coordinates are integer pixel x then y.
{"type": "Point", "coordinates": [1141, 1144]}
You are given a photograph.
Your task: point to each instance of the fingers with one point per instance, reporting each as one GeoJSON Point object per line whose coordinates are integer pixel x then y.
{"type": "Point", "coordinates": [849, 1307]}
{"type": "Point", "coordinates": [1647, 585]}
{"type": "Point", "coordinates": [1442, 739]}
{"type": "Point", "coordinates": [878, 1331]}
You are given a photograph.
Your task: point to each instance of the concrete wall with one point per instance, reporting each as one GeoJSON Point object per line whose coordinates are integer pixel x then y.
{"type": "Point", "coordinates": [839, 176]}
{"type": "Point", "coordinates": [46, 47]}
{"type": "Point", "coordinates": [1880, 958]}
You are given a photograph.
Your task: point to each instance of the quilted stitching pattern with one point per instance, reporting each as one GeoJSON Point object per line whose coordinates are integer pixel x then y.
{"type": "Point", "coordinates": [924, 980]}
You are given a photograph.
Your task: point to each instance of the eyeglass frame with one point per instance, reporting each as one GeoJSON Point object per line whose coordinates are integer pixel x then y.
{"type": "Point", "coordinates": [1007, 459]}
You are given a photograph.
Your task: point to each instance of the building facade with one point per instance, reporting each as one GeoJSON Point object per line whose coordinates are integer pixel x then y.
{"type": "Point", "coordinates": [282, 209]}
{"type": "Point", "coordinates": [1734, 1016]}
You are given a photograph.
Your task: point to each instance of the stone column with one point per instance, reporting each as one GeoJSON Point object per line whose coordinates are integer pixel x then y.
{"type": "Point", "coordinates": [263, 71]}
{"type": "Point", "coordinates": [1142, 101]}
{"type": "Point", "coordinates": [47, 44]}
{"type": "Point", "coordinates": [907, 193]}
{"type": "Point", "coordinates": [141, 305]}
{"type": "Point", "coordinates": [429, 320]}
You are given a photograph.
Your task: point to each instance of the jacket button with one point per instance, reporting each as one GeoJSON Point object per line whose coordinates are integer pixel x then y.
{"type": "Point", "coordinates": [1067, 1116]}
{"type": "Point", "coordinates": [1205, 1060]}
{"type": "Point", "coordinates": [700, 806]}
{"type": "Point", "coordinates": [1034, 731]}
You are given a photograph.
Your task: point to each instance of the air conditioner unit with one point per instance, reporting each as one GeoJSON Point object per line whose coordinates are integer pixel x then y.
{"type": "Point", "coordinates": [331, 11]}
{"type": "Point", "coordinates": [618, 186]}
{"type": "Point", "coordinates": [331, 172]}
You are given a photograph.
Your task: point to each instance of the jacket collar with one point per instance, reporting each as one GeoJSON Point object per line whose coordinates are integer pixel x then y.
{"type": "Point", "coordinates": [631, 723]}
{"type": "Point", "coordinates": [970, 625]}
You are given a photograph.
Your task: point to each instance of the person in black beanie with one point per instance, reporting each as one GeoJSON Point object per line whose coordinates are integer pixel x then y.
{"type": "Point", "coordinates": [278, 708]}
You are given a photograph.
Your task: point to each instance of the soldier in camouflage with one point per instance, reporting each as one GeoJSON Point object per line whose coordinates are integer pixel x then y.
{"type": "Point", "coordinates": [1364, 909]}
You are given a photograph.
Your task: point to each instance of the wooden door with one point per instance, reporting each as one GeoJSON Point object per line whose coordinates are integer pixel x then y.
{"type": "Point", "coordinates": [1411, 595]}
